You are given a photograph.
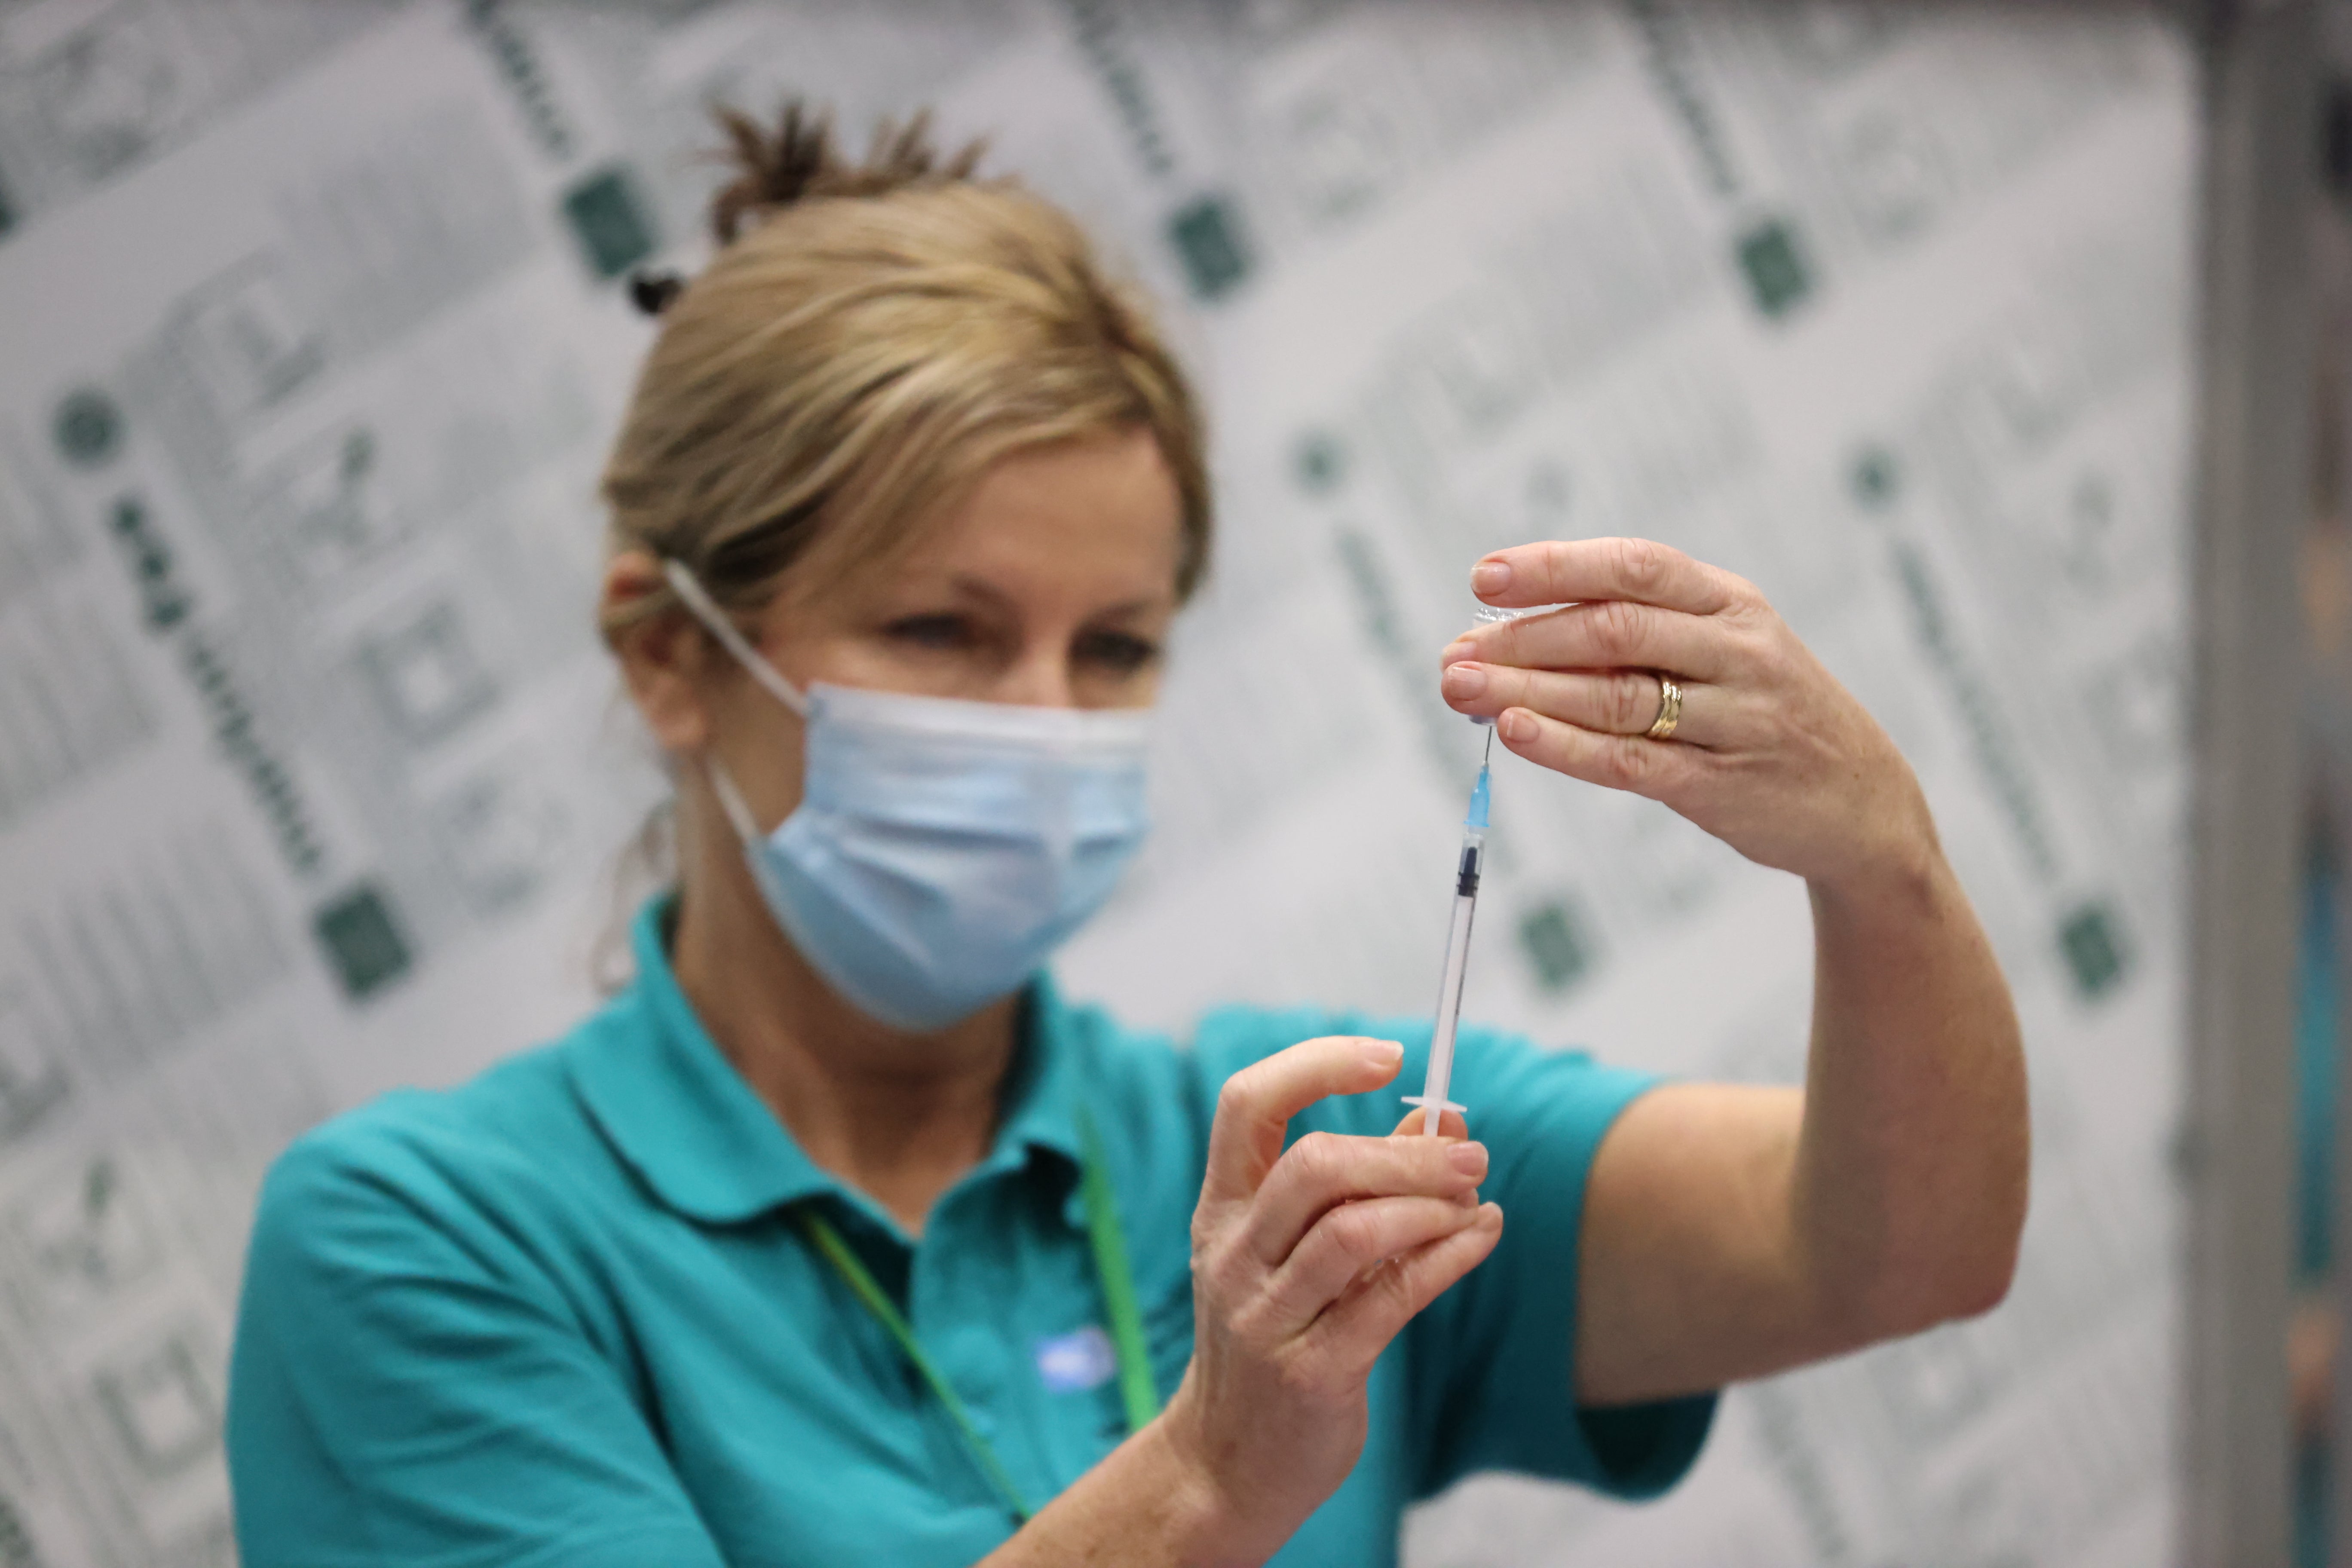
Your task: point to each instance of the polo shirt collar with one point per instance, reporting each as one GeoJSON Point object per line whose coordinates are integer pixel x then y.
{"type": "Point", "coordinates": [1041, 1098]}
{"type": "Point", "coordinates": [680, 1115]}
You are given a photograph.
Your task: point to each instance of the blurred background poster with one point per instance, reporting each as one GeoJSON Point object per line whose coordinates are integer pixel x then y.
{"type": "Point", "coordinates": [313, 331]}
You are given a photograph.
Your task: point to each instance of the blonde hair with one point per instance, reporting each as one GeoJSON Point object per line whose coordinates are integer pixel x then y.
{"type": "Point", "coordinates": [869, 337]}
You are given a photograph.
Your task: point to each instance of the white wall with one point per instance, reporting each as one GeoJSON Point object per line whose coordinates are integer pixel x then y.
{"type": "Point", "coordinates": [300, 353]}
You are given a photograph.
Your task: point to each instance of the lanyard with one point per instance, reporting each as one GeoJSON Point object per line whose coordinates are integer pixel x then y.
{"type": "Point", "coordinates": [1109, 1243]}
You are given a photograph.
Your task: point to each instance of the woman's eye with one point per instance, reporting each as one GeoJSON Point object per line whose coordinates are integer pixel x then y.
{"type": "Point", "coordinates": [932, 631]}
{"type": "Point", "coordinates": [1122, 653]}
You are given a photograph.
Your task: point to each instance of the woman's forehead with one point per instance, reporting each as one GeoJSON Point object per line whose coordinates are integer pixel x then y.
{"type": "Point", "coordinates": [1098, 517]}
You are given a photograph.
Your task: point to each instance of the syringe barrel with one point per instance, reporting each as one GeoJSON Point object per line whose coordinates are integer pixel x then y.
{"type": "Point", "coordinates": [1449, 1003]}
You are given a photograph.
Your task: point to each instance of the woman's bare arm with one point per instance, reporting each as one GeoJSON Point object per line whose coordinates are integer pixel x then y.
{"type": "Point", "coordinates": [1144, 1507]}
{"type": "Point", "coordinates": [1730, 1232]}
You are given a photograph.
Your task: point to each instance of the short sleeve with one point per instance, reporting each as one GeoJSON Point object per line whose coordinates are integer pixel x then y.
{"type": "Point", "coordinates": [407, 1388]}
{"type": "Point", "coordinates": [1493, 1358]}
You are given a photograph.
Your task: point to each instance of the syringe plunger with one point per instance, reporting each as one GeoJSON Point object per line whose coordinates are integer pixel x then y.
{"type": "Point", "coordinates": [1432, 1097]}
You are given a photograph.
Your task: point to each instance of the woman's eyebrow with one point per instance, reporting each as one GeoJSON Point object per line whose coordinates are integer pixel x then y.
{"type": "Point", "coordinates": [1143, 607]}
{"type": "Point", "coordinates": [981, 588]}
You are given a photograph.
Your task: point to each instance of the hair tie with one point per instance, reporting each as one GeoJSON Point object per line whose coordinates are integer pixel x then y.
{"type": "Point", "coordinates": [654, 291]}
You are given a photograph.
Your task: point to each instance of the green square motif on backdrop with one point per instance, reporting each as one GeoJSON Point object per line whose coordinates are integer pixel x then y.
{"type": "Point", "coordinates": [1775, 268]}
{"type": "Point", "coordinates": [1208, 240]}
{"type": "Point", "coordinates": [2095, 950]}
{"type": "Point", "coordinates": [610, 223]}
{"type": "Point", "coordinates": [362, 941]}
{"type": "Point", "coordinates": [1555, 942]}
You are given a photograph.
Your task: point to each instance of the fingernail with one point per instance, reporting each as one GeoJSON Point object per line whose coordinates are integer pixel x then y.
{"type": "Point", "coordinates": [1470, 1159]}
{"type": "Point", "coordinates": [1456, 652]}
{"type": "Point", "coordinates": [1465, 680]}
{"type": "Point", "coordinates": [1490, 576]}
{"type": "Point", "coordinates": [1516, 726]}
{"type": "Point", "coordinates": [1385, 1053]}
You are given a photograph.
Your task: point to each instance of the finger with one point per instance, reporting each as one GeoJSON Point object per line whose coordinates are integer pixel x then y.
{"type": "Point", "coordinates": [1561, 572]}
{"type": "Point", "coordinates": [1350, 1240]}
{"type": "Point", "coordinates": [1631, 762]}
{"type": "Point", "coordinates": [1603, 635]}
{"type": "Point", "coordinates": [1610, 703]}
{"type": "Point", "coordinates": [1323, 1170]}
{"type": "Point", "coordinates": [1359, 1324]}
{"type": "Point", "coordinates": [1451, 1129]}
{"type": "Point", "coordinates": [1256, 1104]}
{"type": "Point", "coordinates": [1449, 1125]}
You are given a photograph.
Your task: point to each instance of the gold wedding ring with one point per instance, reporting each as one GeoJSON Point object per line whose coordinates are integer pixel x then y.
{"type": "Point", "coordinates": [1670, 710]}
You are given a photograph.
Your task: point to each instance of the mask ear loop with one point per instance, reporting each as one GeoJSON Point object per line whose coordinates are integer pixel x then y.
{"type": "Point", "coordinates": [731, 800]}
{"type": "Point", "coordinates": [700, 604]}
{"type": "Point", "coordinates": [746, 827]}
{"type": "Point", "coordinates": [714, 621]}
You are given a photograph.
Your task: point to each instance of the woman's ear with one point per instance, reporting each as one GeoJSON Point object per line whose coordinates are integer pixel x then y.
{"type": "Point", "coordinates": [663, 659]}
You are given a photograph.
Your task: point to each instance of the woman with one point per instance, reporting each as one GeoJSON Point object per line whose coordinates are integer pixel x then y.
{"type": "Point", "coordinates": [839, 1236]}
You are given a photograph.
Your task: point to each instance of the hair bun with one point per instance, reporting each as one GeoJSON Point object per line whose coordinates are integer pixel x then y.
{"type": "Point", "coordinates": [653, 292]}
{"type": "Point", "coordinates": [800, 159]}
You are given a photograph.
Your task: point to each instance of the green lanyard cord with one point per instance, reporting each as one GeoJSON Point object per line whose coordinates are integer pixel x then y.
{"type": "Point", "coordinates": [886, 1312]}
{"type": "Point", "coordinates": [1135, 1386]}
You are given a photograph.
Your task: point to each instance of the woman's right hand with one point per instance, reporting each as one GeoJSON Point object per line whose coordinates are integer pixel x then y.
{"type": "Point", "coordinates": [1306, 1263]}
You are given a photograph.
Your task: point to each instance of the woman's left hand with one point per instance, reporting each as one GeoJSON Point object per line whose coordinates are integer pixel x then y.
{"type": "Point", "coordinates": [1771, 754]}
{"type": "Point", "coordinates": [1731, 1231]}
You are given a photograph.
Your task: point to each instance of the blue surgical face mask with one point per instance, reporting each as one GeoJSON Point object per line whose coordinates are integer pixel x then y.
{"type": "Point", "coordinates": [942, 848]}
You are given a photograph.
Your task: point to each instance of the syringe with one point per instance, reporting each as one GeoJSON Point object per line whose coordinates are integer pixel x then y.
{"type": "Point", "coordinates": [1432, 1097]}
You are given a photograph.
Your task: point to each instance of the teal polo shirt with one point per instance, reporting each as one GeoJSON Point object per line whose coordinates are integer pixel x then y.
{"type": "Point", "coordinates": [562, 1314]}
